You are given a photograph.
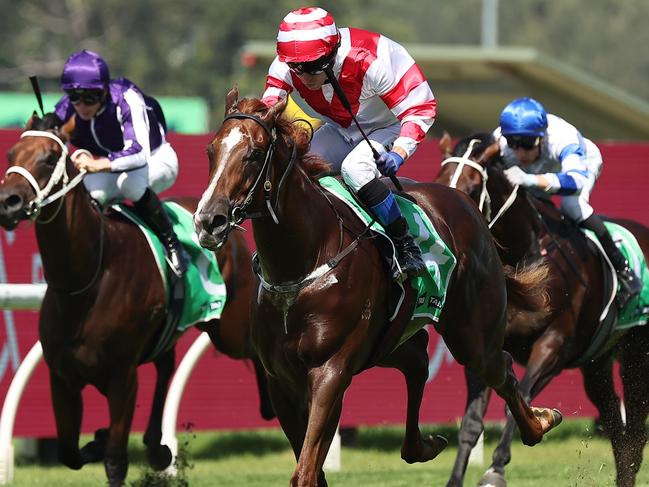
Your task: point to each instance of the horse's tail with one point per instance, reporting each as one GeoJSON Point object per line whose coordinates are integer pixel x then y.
{"type": "Point", "coordinates": [527, 290]}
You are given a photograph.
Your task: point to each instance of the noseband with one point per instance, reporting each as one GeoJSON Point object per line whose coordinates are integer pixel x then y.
{"type": "Point", "coordinates": [240, 213]}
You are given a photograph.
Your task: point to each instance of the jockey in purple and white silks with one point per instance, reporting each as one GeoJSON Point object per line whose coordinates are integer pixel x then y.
{"type": "Point", "coordinates": [546, 154]}
{"type": "Point", "coordinates": [122, 134]}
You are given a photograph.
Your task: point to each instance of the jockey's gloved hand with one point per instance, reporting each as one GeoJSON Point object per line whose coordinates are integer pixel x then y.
{"type": "Point", "coordinates": [517, 176]}
{"type": "Point", "coordinates": [389, 163]}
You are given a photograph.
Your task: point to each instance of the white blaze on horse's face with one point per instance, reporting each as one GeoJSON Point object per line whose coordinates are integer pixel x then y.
{"type": "Point", "coordinates": [228, 143]}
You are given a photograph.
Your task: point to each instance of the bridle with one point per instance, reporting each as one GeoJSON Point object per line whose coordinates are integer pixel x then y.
{"type": "Point", "coordinates": [485, 199]}
{"type": "Point", "coordinates": [43, 197]}
{"type": "Point", "coordinates": [240, 212]}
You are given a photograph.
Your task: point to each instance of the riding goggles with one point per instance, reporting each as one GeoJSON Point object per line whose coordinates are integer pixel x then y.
{"type": "Point", "coordinates": [313, 67]}
{"type": "Point", "coordinates": [526, 142]}
{"type": "Point", "coordinates": [87, 97]}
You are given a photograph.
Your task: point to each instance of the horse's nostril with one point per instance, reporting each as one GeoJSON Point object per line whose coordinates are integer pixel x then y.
{"type": "Point", "coordinates": [13, 201]}
{"type": "Point", "coordinates": [10, 202]}
{"type": "Point", "coordinates": [219, 221]}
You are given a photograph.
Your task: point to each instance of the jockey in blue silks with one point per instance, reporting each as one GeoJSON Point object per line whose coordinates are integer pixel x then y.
{"type": "Point", "coordinates": [549, 155]}
{"type": "Point", "coordinates": [122, 132]}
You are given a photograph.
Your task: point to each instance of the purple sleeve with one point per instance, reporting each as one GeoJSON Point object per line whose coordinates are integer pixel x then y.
{"type": "Point", "coordinates": [64, 109]}
{"type": "Point", "coordinates": [135, 130]}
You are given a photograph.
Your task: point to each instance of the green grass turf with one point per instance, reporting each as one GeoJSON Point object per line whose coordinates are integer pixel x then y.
{"type": "Point", "coordinates": [570, 456]}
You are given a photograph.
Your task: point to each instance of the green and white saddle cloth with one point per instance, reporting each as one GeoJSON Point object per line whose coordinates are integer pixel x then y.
{"type": "Point", "coordinates": [205, 292]}
{"type": "Point", "coordinates": [636, 311]}
{"type": "Point", "coordinates": [431, 287]}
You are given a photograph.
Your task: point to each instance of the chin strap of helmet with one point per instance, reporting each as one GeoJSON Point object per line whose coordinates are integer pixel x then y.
{"type": "Point", "coordinates": [328, 70]}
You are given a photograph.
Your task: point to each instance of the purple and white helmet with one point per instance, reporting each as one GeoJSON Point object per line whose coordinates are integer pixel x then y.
{"type": "Point", "coordinates": [85, 70]}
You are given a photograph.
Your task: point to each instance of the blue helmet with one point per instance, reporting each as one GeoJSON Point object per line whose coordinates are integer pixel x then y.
{"type": "Point", "coordinates": [85, 70]}
{"type": "Point", "coordinates": [524, 116]}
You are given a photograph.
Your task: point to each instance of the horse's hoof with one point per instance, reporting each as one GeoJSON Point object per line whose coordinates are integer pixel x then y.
{"type": "Point", "coordinates": [95, 450]}
{"type": "Point", "coordinates": [492, 478]}
{"type": "Point", "coordinates": [430, 447]}
{"type": "Point", "coordinates": [549, 418]}
{"type": "Point", "coordinates": [159, 457]}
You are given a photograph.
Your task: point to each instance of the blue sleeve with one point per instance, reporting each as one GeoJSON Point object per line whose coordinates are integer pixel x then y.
{"type": "Point", "coordinates": [572, 149]}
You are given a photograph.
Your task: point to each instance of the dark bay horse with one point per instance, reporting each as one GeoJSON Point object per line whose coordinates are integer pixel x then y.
{"type": "Point", "coordinates": [105, 301]}
{"type": "Point", "coordinates": [561, 339]}
{"type": "Point", "coordinates": [320, 312]}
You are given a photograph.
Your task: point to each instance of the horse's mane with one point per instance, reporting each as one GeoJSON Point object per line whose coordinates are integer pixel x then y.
{"type": "Point", "coordinates": [312, 164]}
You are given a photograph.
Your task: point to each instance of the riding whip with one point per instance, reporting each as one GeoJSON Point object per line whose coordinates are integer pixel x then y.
{"type": "Point", "coordinates": [343, 99]}
{"type": "Point", "coordinates": [37, 92]}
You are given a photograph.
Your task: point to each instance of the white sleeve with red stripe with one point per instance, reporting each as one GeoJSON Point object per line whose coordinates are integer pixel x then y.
{"type": "Point", "coordinates": [278, 83]}
{"type": "Point", "coordinates": [403, 88]}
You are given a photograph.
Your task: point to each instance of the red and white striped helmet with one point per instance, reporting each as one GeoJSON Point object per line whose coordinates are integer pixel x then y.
{"type": "Point", "coordinates": [306, 34]}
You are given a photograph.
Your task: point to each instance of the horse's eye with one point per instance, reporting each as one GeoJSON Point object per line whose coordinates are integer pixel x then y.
{"type": "Point", "coordinates": [52, 158]}
{"type": "Point", "coordinates": [256, 154]}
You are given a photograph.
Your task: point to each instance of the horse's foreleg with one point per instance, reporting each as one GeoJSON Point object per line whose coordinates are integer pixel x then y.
{"type": "Point", "coordinates": [292, 411]}
{"type": "Point", "coordinates": [472, 426]}
{"type": "Point", "coordinates": [159, 456]}
{"type": "Point", "coordinates": [327, 385]}
{"type": "Point", "coordinates": [265, 405]}
{"type": "Point", "coordinates": [68, 407]}
{"type": "Point", "coordinates": [121, 393]}
{"type": "Point", "coordinates": [411, 359]}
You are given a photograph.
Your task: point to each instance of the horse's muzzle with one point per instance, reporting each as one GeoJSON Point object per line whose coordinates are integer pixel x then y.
{"type": "Point", "coordinates": [212, 229]}
{"type": "Point", "coordinates": [12, 209]}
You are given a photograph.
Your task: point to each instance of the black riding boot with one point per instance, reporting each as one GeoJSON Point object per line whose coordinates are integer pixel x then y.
{"type": "Point", "coordinates": [379, 199]}
{"type": "Point", "coordinates": [150, 209]}
{"type": "Point", "coordinates": [630, 284]}
{"type": "Point", "coordinates": [410, 258]}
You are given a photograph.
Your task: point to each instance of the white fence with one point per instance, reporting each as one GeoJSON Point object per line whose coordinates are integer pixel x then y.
{"type": "Point", "coordinates": [29, 296]}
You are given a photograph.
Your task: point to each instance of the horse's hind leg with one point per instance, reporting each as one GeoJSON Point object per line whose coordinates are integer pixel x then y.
{"type": "Point", "coordinates": [532, 423]}
{"type": "Point", "coordinates": [159, 456]}
{"type": "Point", "coordinates": [472, 426]}
{"type": "Point", "coordinates": [634, 366]}
{"type": "Point", "coordinates": [411, 358]}
{"type": "Point", "coordinates": [68, 408]}
{"type": "Point", "coordinates": [542, 366]}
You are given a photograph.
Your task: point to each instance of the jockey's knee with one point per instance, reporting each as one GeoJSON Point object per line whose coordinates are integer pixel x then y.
{"type": "Point", "coordinates": [576, 208]}
{"type": "Point", "coordinates": [132, 185]}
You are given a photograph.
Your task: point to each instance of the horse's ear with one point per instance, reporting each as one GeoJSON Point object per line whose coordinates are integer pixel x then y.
{"type": "Point", "coordinates": [445, 144]}
{"type": "Point", "coordinates": [489, 152]}
{"type": "Point", "coordinates": [66, 130]}
{"type": "Point", "coordinates": [276, 110]}
{"type": "Point", "coordinates": [32, 120]}
{"type": "Point", "coordinates": [231, 100]}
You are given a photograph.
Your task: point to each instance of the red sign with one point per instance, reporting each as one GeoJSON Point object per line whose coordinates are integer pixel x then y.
{"type": "Point", "coordinates": [222, 392]}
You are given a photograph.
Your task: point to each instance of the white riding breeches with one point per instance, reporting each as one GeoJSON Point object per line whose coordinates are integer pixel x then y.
{"type": "Point", "coordinates": [159, 174]}
{"type": "Point", "coordinates": [353, 157]}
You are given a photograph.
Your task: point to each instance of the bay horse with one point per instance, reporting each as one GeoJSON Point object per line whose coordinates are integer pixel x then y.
{"type": "Point", "coordinates": [105, 301]}
{"type": "Point", "coordinates": [320, 312]}
{"type": "Point", "coordinates": [533, 230]}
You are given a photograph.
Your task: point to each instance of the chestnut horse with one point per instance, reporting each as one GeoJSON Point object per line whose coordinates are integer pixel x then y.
{"type": "Point", "coordinates": [563, 338]}
{"type": "Point", "coordinates": [321, 309]}
{"type": "Point", "coordinates": [105, 302]}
